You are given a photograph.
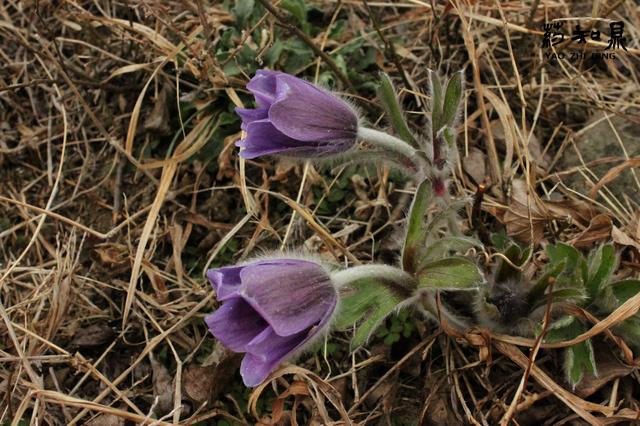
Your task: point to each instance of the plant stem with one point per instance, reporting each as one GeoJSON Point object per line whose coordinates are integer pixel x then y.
{"type": "Point", "coordinates": [384, 272]}
{"type": "Point", "coordinates": [388, 142]}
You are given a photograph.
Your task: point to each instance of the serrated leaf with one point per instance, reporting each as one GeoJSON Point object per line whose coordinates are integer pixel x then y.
{"type": "Point", "coordinates": [454, 273]}
{"type": "Point", "coordinates": [389, 100]}
{"type": "Point", "coordinates": [416, 234]}
{"type": "Point", "coordinates": [441, 248]}
{"type": "Point", "coordinates": [602, 262]}
{"type": "Point", "coordinates": [452, 99]}
{"type": "Point", "coordinates": [366, 302]}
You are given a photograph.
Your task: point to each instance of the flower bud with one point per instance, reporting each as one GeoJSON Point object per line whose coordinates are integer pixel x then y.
{"type": "Point", "coordinates": [270, 309]}
{"type": "Point", "coordinates": [295, 118]}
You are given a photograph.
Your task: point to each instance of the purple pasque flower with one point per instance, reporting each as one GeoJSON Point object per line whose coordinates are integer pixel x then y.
{"type": "Point", "coordinates": [295, 118]}
{"type": "Point", "coordinates": [270, 309]}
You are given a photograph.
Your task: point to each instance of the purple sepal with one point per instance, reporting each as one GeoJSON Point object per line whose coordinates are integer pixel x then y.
{"type": "Point", "coordinates": [271, 309]}
{"type": "Point", "coordinates": [295, 118]}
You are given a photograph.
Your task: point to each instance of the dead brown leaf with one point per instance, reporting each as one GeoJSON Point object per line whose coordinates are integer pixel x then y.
{"type": "Point", "coordinates": [226, 167]}
{"type": "Point", "coordinates": [620, 237]}
{"type": "Point", "coordinates": [224, 364]}
{"type": "Point", "coordinates": [159, 118]}
{"type": "Point", "coordinates": [162, 386]}
{"type": "Point", "coordinates": [527, 214]}
{"type": "Point", "coordinates": [475, 165]}
{"type": "Point", "coordinates": [106, 420]}
{"type": "Point", "coordinates": [197, 382]}
{"type": "Point", "coordinates": [599, 229]}
{"type": "Point", "coordinates": [96, 334]}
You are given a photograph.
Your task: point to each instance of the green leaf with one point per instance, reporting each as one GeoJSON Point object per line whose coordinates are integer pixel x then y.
{"type": "Point", "coordinates": [500, 240]}
{"type": "Point", "coordinates": [443, 216]}
{"type": "Point", "coordinates": [416, 235]}
{"type": "Point", "coordinates": [629, 329]}
{"type": "Point", "coordinates": [454, 273]}
{"type": "Point", "coordinates": [625, 290]}
{"type": "Point", "coordinates": [389, 100]}
{"type": "Point", "coordinates": [562, 251]}
{"type": "Point", "coordinates": [242, 10]}
{"type": "Point", "coordinates": [615, 294]}
{"type": "Point", "coordinates": [452, 99]}
{"type": "Point", "coordinates": [565, 294]}
{"type": "Point", "coordinates": [576, 271]}
{"type": "Point", "coordinates": [366, 302]}
{"type": "Point", "coordinates": [578, 358]}
{"type": "Point", "coordinates": [441, 248]}
{"type": "Point", "coordinates": [391, 339]}
{"type": "Point", "coordinates": [297, 8]}
{"type": "Point", "coordinates": [274, 52]}
{"type": "Point", "coordinates": [517, 256]}
{"type": "Point", "coordinates": [536, 295]}
{"type": "Point", "coordinates": [602, 262]}
{"type": "Point", "coordinates": [449, 136]}
{"type": "Point", "coordinates": [436, 101]}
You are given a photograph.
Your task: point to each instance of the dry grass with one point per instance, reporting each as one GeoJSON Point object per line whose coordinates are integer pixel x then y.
{"type": "Point", "coordinates": [109, 217]}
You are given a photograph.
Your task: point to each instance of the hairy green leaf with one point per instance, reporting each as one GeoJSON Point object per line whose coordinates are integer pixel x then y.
{"type": "Point", "coordinates": [575, 273]}
{"type": "Point", "coordinates": [297, 8]}
{"type": "Point", "coordinates": [366, 302]}
{"type": "Point", "coordinates": [453, 273]}
{"type": "Point", "coordinates": [436, 101]}
{"type": "Point", "coordinates": [517, 256]}
{"type": "Point", "coordinates": [536, 295]}
{"type": "Point", "coordinates": [416, 235]}
{"type": "Point", "coordinates": [578, 358]}
{"type": "Point", "coordinates": [441, 248]}
{"type": "Point", "coordinates": [452, 99]}
{"type": "Point", "coordinates": [625, 290]}
{"type": "Point", "coordinates": [389, 100]}
{"type": "Point", "coordinates": [602, 262]}
{"type": "Point", "coordinates": [242, 10]}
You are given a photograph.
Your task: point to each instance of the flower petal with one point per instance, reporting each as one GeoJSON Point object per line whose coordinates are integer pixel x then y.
{"type": "Point", "coordinates": [236, 324]}
{"type": "Point", "coordinates": [291, 295]}
{"type": "Point", "coordinates": [225, 281]}
{"type": "Point", "coordinates": [264, 139]}
{"type": "Point", "coordinates": [250, 115]}
{"type": "Point", "coordinates": [263, 87]}
{"type": "Point", "coordinates": [305, 112]}
{"type": "Point", "coordinates": [264, 353]}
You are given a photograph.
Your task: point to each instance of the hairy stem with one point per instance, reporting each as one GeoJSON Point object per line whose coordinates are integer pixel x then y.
{"type": "Point", "coordinates": [384, 272]}
{"type": "Point", "coordinates": [389, 143]}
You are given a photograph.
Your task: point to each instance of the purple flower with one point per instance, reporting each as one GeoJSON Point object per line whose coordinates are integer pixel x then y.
{"type": "Point", "coordinates": [270, 309]}
{"type": "Point", "coordinates": [295, 118]}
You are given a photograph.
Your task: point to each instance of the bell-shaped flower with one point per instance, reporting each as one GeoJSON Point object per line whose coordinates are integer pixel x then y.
{"type": "Point", "coordinates": [270, 310]}
{"type": "Point", "coordinates": [295, 118]}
